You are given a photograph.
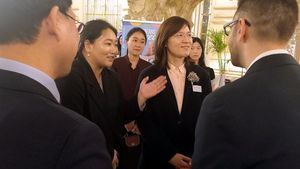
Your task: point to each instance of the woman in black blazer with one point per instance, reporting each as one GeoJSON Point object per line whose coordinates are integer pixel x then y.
{"type": "Point", "coordinates": [94, 91]}
{"type": "Point", "coordinates": [168, 121]}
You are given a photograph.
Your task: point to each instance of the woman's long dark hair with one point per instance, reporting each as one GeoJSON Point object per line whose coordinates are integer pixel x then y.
{"type": "Point", "coordinates": [167, 29]}
{"type": "Point", "coordinates": [202, 57]}
{"type": "Point", "coordinates": [119, 45]}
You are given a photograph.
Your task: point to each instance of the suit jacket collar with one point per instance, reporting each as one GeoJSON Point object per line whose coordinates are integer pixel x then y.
{"type": "Point", "coordinates": [18, 82]}
{"type": "Point", "coordinates": [87, 71]}
{"type": "Point", "coordinates": [271, 61]}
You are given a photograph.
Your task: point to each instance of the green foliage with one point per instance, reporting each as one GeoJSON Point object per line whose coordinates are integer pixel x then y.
{"type": "Point", "coordinates": [217, 40]}
{"type": "Point", "coordinates": [218, 45]}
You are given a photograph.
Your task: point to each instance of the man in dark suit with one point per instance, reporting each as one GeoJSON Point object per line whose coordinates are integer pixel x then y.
{"type": "Point", "coordinates": [38, 42]}
{"type": "Point", "coordinates": [254, 121]}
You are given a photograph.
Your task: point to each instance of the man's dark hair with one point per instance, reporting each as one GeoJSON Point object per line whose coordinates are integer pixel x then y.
{"type": "Point", "coordinates": [270, 19]}
{"type": "Point", "coordinates": [21, 19]}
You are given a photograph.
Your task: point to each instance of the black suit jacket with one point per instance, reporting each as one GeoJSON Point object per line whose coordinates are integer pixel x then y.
{"type": "Point", "coordinates": [38, 133]}
{"type": "Point", "coordinates": [253, 122]}
{"type": "Point", "coordinates": [81, 92]}
{"type": "Point", "coordinates": [166, 132]}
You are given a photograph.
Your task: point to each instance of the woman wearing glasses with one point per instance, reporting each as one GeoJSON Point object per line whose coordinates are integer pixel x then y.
{"type": "Point", "coordinates": [168, 120]}
{"type": "Point", "coordinates": [92, 89]}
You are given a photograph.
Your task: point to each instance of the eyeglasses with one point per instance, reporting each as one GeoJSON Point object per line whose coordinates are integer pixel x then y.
{"type": "Point", "coordinates": [227, 27]}
{"type": "Point", "coordinates": [80, 26]}
{"type": "Point", "coordinates": [181, 35]}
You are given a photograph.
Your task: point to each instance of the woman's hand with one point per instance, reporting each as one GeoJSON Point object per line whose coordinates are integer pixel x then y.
{"type": "Point", "coordinates": [115, 161]}
{"type": "Point", "coordinates": [181, 161]}
{"type": "Point", "coordinates": [132, 127]}
{"type": "Point", "coordinates": [148, 90]}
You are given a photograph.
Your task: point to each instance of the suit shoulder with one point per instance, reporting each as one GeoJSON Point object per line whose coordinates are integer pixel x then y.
{"type": "Point", "coordinates": [111, 72]}
{"type": "Point", "coordinates": [230, 89]}
{"type": "Point", "coordinates": [145, 63]}
{"type": "Point", "coordinates": [119, 60]}
{"type": "Point", "coordinates": [45, 111]}
{"type": "Point", "coordinates": [64, 114]}
{"type": "Point", "coordinates": [152, 70]}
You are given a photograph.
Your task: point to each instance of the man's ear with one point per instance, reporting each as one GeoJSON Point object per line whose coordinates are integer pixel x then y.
{"type": "Point", "coordinates": [242, 30]}
{"type": "Point", "coordinates": [52, 23]}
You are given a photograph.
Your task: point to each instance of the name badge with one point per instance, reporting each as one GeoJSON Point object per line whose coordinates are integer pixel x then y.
{"type": "Point", "coordinates": [197, 88]}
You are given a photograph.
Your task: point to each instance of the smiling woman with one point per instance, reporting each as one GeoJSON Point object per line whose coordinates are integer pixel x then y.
{"type": "Point", "coordinates": [93, 90]}
{"type": "Point", "coordinates": [168, 122]}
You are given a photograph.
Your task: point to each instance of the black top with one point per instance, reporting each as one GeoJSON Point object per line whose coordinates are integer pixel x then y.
{"type": "Point", "coordinates": [210, 72]}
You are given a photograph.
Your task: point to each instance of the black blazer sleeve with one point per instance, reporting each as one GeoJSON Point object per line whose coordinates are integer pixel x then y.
{"type": "Point", "coordinates": [85, 148]}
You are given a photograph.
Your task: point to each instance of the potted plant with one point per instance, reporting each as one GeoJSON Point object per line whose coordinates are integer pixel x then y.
{"type": "Point", "coordinates": [218, 45]}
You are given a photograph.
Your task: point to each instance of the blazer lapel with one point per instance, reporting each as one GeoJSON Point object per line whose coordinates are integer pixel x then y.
{"type": "Point", "coordinates": [187, 90]}
{"type": "Point", "coordinates": [93, 88]}
{"type": "Point", "coordinates": [170, 94]}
